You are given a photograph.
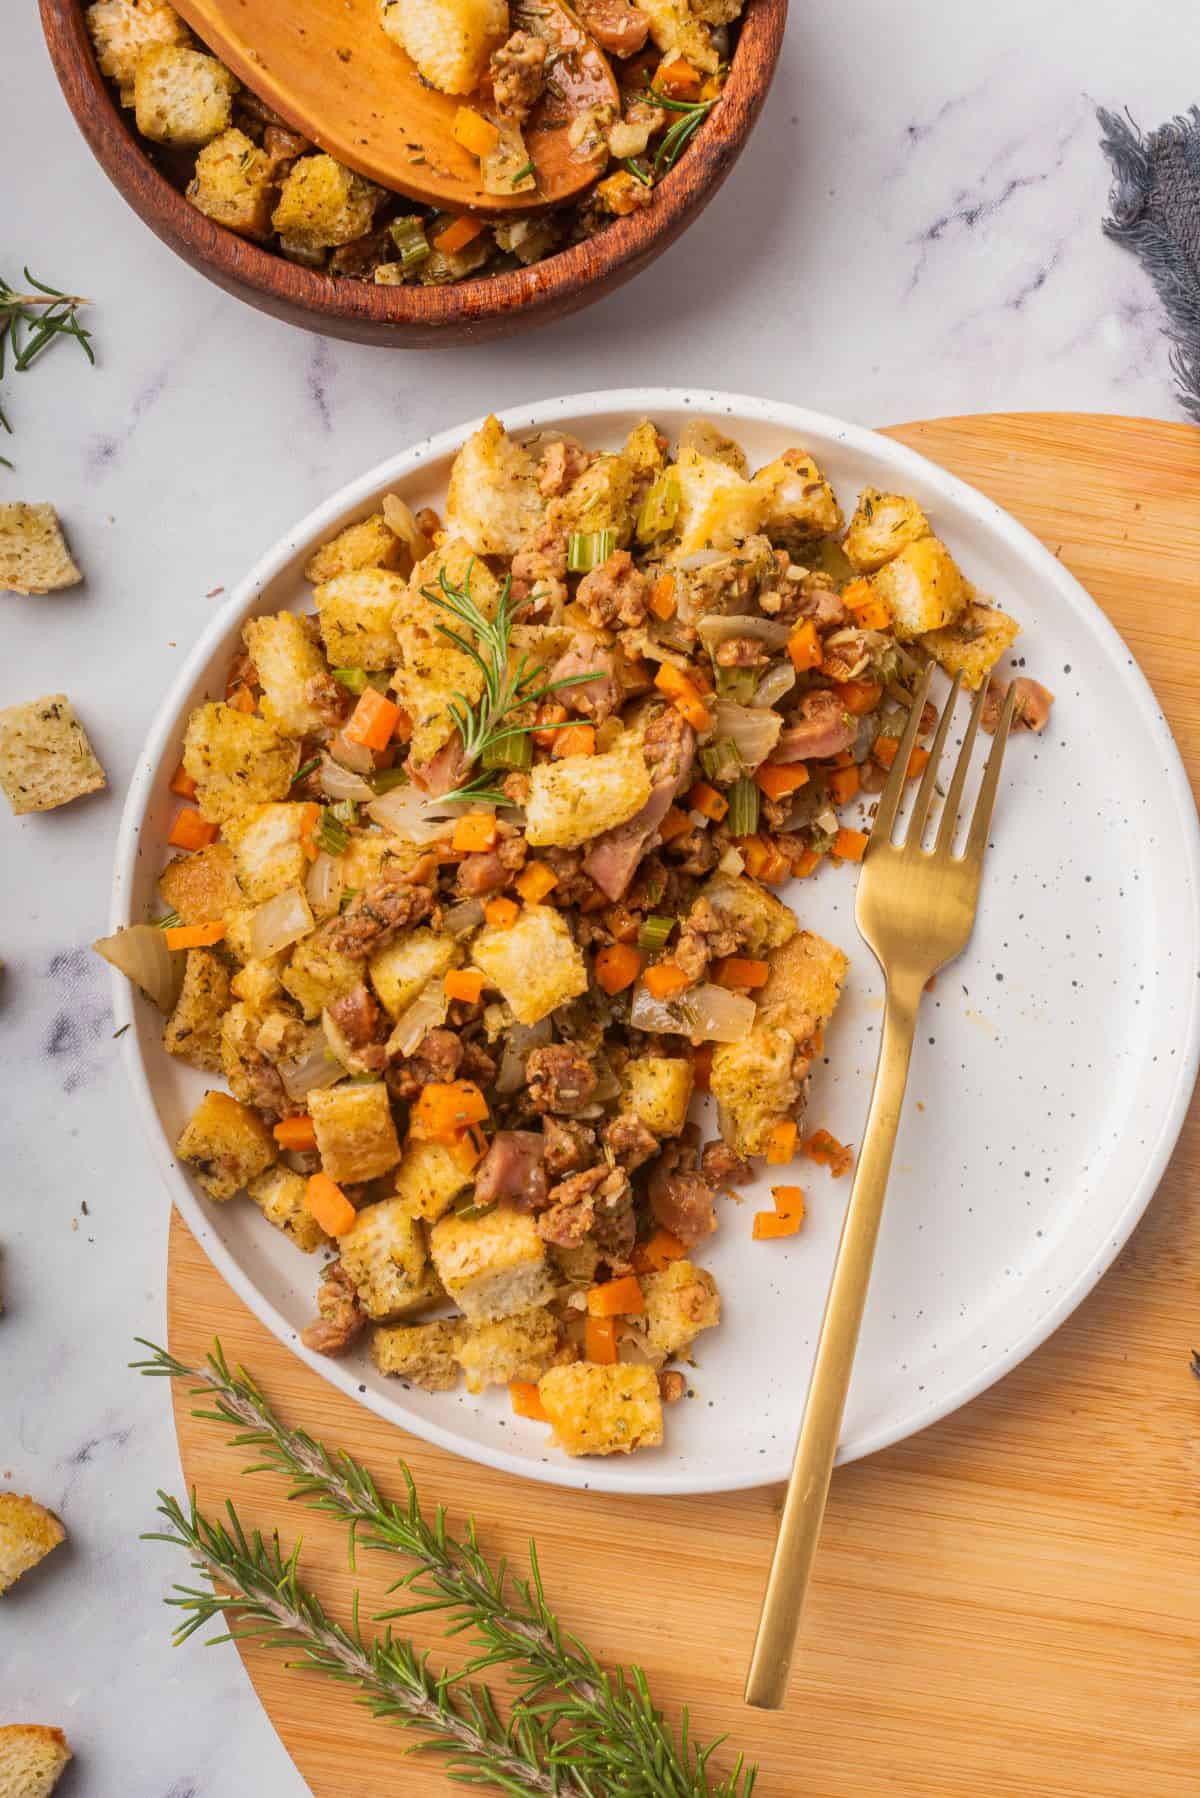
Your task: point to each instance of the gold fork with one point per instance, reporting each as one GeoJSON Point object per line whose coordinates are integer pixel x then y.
{"type": "Point", "coordinates": [915, 909]}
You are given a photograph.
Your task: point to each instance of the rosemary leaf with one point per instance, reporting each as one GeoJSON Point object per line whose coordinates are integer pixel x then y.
{"type": "Point", "coordinates": [30, 322]}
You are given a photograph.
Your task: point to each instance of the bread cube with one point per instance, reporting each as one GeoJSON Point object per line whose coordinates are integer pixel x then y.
{"type": "Point", "coordinates": [279, 1195]}
{"type": "Point", "coordinates": [32, 1759]}
{"type": "Point", "coordinates": [236, 760]}
{"type": "Point", "coordinates": [257, 984]}
{"type": "Point", "coordinates": [234, 184]}
{"type": "Point", "coordinates": [719, 508]}
{"type": "Point", "coordinates": [242, 1052]}
{"type": "Point", "coordinates": [355, 611]}
{"type": "Point", "coordinates": [34, 557]}
{"type": "Point", "coordinates": [28, 1532]}
{"type": "Point", "coordinates": [706, 437]}
{"type": "Point", "coordinates": [401, 970]}
{"type": "Point", "coordinates": [674, 27]}
{"type": "Point", "coordinates": [193, 1030]}
{"type": "Point", "coordinates": [681, 1300]}
{"type": "Point", "coordinates": [763, 921]}
{"type": "Point", "coordinates": [370, 543]}
{"type": "Point", "coordinates": [182, 96]}
{"type": "Point", "coordinates": [317, 973]}
{"type": "Point", "coordinates": [366, 853]}
{"type": "Point", "coordinates": [602, 1410]}
{"type": "Point", "coordinates": [422, 1353]}
{"type": "Point", "coordinates": [515, 1348]}
{"type": "Point", "coordinates": [122, 30]}
{"type": "Point", "coordinates": [292, 672]}
{"type": "Point", "coordinates": [602, 498]}
{"type": "Point", "coordinates": [449, 40]}
{"type": "Point", "coordinates": [493, 501]}
{"type": "Point", "coordinates": [384, 1257]}
{"type": "Point", "coordinates": [805, 983]}
{"type": "Point", "coordinates": [535, 963]}
{"type": "Point", "coordinates": [658, 1090]}
{"type": "Point", "coordinates": [923, 587]}
{"type": "Point", "coordinates": [226, 1144]}
{"type": "Point", "coordinates": [45, 757]}
{"type": "Point", "coordinates": [756, 1082]}
{"type": "Point", "coordinates": [355, 1132]}
{"type": "Point", "coordinates": [429, 668]}
{"type": "Point", "coordinates": [572, 800]}
{"type": "Point", "coordinates": [974, 643]}
{"type": "Point", "coordinates": [883, 524]}
{"type": "Point", "coordinates": [493, 1266]}
{"type": "Point", "coordinates": [268, 848]}
{"type": "Point", "coordinates": [322, 204]}
{"type": "Point", "coordinates": [202, 887]}
{"type": "Point", "coordinates": [429, 1179]}
{"type": "Point", "coordinates": [643, 452]}
{"type": "Point", "coordinates": [799, 505]}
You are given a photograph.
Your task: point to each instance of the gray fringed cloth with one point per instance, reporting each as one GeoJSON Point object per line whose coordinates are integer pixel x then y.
{"type": "Point", "coordinates": [1155, 204]}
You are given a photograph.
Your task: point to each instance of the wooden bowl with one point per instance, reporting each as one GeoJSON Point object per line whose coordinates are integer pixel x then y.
{"type": "Point", "coordinates": [417, 317]}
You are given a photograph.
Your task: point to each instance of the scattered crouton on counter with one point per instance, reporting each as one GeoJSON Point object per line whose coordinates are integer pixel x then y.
{"type": "Point", "coordinates": [28, 1533]}
{"type": "Point", "coordinates": [45, 757]}
{"type": "Point", "coordinates": [33, 1758]}
{"type": "Point", "coordinates": [34, 557]}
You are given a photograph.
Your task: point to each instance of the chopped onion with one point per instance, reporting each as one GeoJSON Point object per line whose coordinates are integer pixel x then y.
{"type": "Point", "coordinates": [279, 922]}
{"type": "Point", "coordinates": [752, 729]}
{"type": "Point", "coordinates": [342, 783]}
{"type": "Point", "coordinates": [732, 861]}
{"type": "Point", "coordinates": [718, 627]}
{"type": "Point", "coordinates": [139, 951]}
{"type": "Point", "coordinates": [312, 1068]}
{"type": "Point", "coordinates": [462, 919]}
{"type": "Point", "coordinates": [701, 558]}
{"type": "Point", "coordinates": [708, 1013]}
{"type": "Point", "coordinates": [427, 1012]}
{"type": "Point", "coordinates": [775, 684]}
{"type": "Point", "coordinates": [400, 521]}
{"type": "Point", "coordinates": [405, 811]}
{"type": "Point", "coordinates": [324, 883]}
{"type": "Point", "coordinates": [517, 1045]}
{"type": "Point", "coordinates": [351, 755]}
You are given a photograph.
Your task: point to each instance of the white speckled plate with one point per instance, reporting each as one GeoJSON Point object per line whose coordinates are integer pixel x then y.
{"type": "Point", "coordinates": [1054, 1061]}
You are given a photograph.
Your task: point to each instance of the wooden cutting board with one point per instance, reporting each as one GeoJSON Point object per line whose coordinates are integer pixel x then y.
{"type": "Point", "coordinates": [1008, 1604]}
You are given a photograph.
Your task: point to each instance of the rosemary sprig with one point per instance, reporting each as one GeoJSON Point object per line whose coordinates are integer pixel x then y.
{"type": "Point", "coordinates": [509, 694]}
{"type": "Point", "coordinates": [602, 1728]}
{"type": "Point", "coordinates": [31, 322]}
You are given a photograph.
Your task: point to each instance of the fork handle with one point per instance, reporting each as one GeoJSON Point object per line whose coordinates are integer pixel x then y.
{"type": "Point", "coordinates": [808, 1485]}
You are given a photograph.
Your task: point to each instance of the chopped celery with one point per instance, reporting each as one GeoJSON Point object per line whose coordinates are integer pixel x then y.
{"type": "Point", "coordinates": [743, 808]}
{"type": "Point", "coordinates": [588, 549]}
{"type": "Point", "coordinates": [331, 834]}
{"type": "Point", "coordinates": [408, 235]}
{"type": "Point", "coordinates": [353, 679]}
{"type": "Point", "coordinates": [515, 750]}
{"type": "Point", "coordinates": [739, 684]}
{"type": "Point", "coordinates": [660, 508]}
{"type": "Point", "coordinates": [721, 760]}
{"type": "Point", "coordinates": [653, 932]}
{"type": "Point", "coordinates": [387, 779]}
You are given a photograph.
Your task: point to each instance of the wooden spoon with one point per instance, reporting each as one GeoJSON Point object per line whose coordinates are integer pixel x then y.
{"type": "Point", "coordinates": [330, 70]}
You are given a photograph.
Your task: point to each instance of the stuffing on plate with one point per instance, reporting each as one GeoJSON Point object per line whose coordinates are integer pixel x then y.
{"type": "Point", "coordinates": [476, 893]}
{"type": "Point", "coordinates": [519, 67]}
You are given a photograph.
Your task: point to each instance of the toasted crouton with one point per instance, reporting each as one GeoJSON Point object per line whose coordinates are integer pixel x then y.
{"type": "Point", "coordinates": [643, 451]}
{"type": "Point", "coordinates": [883, 524]}
{"type": "Point", "coordinates": [430, 669]}
{"type": "Point", "coordinates": [292, 671]}
{"type": "Point", "coordinates": [384, 1257]}
{"type": "Point", "coordinates": [182, 96]}
{"type": "Point", "coordinates": [28, 1531]}
{"type": "Point", "coordinates": [674, 26]}
{"type": "Point", "coordinates": [449, 40]}
{"type": "Point", "coordinates": [323, 204]}
{"type": "Point", "coordinates": [257, 983]}
{"type": "Point", "coordinates": [600, 499]}
{"type": "Point", "coordinates": [429, 1179]}
{"type": "Point", "coordinates": [763, 921]}
{"type": "Point", "coordinates": [602, 1410]}
{"type": "Point", "coordinates": [355, 1132]}
{"type": "Point", "coordinates": [370, 543]}
{"type": "Point", "coordinates": [805, 983]}
{"type": "Point", "coordinates": [491, 1266]}
{"type": "Point", "coordinates": [279, 1195]}
{"type": "Point", "coordinates": [493, 500]}
{"type": "Point", "coordinates": [514, 1348]}
{"type": "Point", "coordinates": [974, 643]}
{"type": "Point", "coordinates": [202, 887]}
{"type": "Point", "coordinates": [755, 1083]}
{"type": "Point", "coordinates": [318, 973]}
{"type": "Point", "coordinates": [922, 586]}
{"type": "Point", "coordinates": [32, 1759]}
{"type": "Point", "coordinates": [799, 505]}
{"type": "Point", "coordinates": [243, 1033]}
{"type": "Point", "coordinates": [193, 1030]}
{"type": "Point", "coordinates": [355, 610]}
{"type": "Point", "coordinates": [718, 508]}
{"type": "Point", "coordinates": [226, 1144]}
{"type": "Point", "coordinates": [121, 30]}
{"type": "Point", "coordinates": [234, 184]}
{"type": "Point", "coordinates": [574, 799]}
{"type": "Point", "coordinates": [658, 1090]}
{"type": "Point", "coordinates": [536, 963]}
{"type": "Point", "coordinates": [45, 757]}
{"type": "Point", "coordinates": [706, 436]}
{"type": "Point", "coordinates": [422, 1353]}
{"type": "Point", "coordinates": [236, 760]}
{"type": "Point", "coordinates": [681, 1300]}
{"type": "Point", "coordinates": [399, 971]}
{"type": "Point", "coordinates": [268, 843]}
{"type": "Point", "coordinates": [34, 557]}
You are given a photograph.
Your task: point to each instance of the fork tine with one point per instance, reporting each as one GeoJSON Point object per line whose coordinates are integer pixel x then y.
{"type": "Point", "coordinates": [949, 823]}
{"type": "Point", "coordinates": [920, 811]}
{"type": "Point", "coordinates": [889, 799]}
{"type": "Point", "coordinates": [981, 821]}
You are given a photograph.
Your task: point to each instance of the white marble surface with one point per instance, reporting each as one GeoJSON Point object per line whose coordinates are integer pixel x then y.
{"type": "Point", "coordinates": [913, 230]}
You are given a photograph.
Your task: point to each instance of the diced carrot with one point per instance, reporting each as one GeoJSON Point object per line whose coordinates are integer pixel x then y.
{"type": "Point", "coordinates": [526, 1402]}
{"type": "Point", "coordinates": [789, 1201]}
{"type": "Point", "coordinates": [779, 779]}
{"type": "Point", "coordinates": [241, 699]}
{"type": "Point", "coordinates": [741, 971]}
{"type": "Point", "coordinates": [182, 783]}
{"type": "Point", "coordinates": [843, 759]}
{"type": "Point", "coordinates": [463, 983]}
{"type": "Point", "coordinates": [372, 720]}
{"type": "Point", "coordinates": [468, 1148]}
{"type": "Point", "coordinates": [325, 1200]}
{"type": "Point", "coordinates": [695, 711]}
{"type": "Point", "coordinates": [616, 1298]}
{"type": "Point", "coordinates": [475, 833]}
{"type": "Point", "coordinates": [875, 617]}
{"type": "Point", "coordinates": [403, 729]}
{"type": "Point", "coordinates": [804, 647]}
{"type": "Point", "coordinates": [859, 696]}
{"type": "Point", "coordinates": [662, 597]}
{"type": "Point", "coordinates": [664, 979]}
{"type": "Point", "coordinates": [310, 817]}
{"type": "Point", "coordinates": [678, 79]}
{"type": "Point", "coordinates": [808, 862]}
{"type": "Point", "coordinates": [674, 825]}
{"type": "Point", "coordinates": [868, 605]}
{"type": "Point", "coordinates": [918, 761]}
{"type": "Point", "coordinates": [194, 936]}
{"type": "Point", "coordinates": [857, 593]}
{"type": "Point", "coordinates": [849, 845]}
{"type": "Point", "coordinates": [707, 801]}
{"type": "Point", "coordinates": [549, 712]}
{"type": "Point", "coordinates": [781, 1142]}
{"type": "Point", "coordinates": [600, 1340]}
{"type": "Point", "coordinates": [885, 752]}
{"type": "Point", "coordinates": [295, 1133]}
{"type": "Point", "coordinates": [651, 1256]}
{"type": "Point", "coordinates": [576, 739]}
{"type": "Point", "coordinates": [826, 1149]}
{"type": "Point", "coordinates": [475, 133]}
{"type": "Point", "coordinates": [444, 1108]}
{"type": "Point", "coordinates": [457, 235]}
{"type": "Point", "coordinates": [684, 695]}
{"type": "Point", "coordinates": [617, 966]}
{"type": "Point", "coordinates": [191, 831]}
{"type": "Point", "coordinates": [768, 1226]}
{"type": "Point", "coordinates": [702, 1067]}
{"type": "Point", "coordinates": [763, 860]}
{"type": "Point", "coordinates": [843, 785]}
{"type": "Point", "coordinates": [535, 881]}
{"type": "Point", "coordinates": [501, 914]}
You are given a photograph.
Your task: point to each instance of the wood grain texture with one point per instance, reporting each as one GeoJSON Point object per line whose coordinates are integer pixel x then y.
{"type": "Point", "coordinates": [1006, 1605]}
{"type": "Point", "coordinates": [417, 317]}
